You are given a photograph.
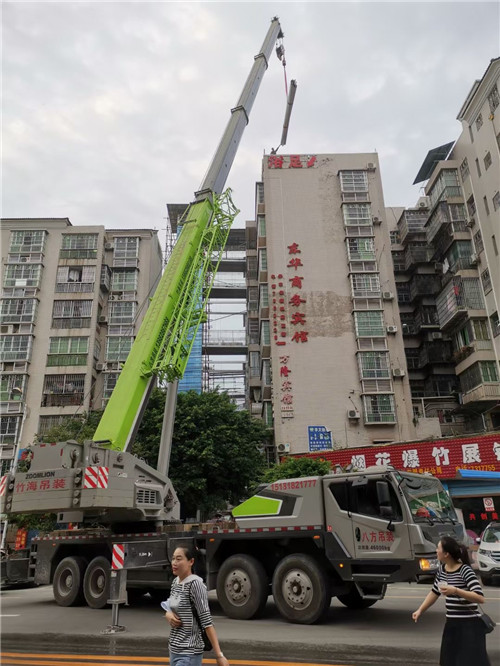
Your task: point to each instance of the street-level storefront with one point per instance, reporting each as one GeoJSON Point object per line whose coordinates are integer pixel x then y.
{"type": "Point", "coordinates": [476, 499]}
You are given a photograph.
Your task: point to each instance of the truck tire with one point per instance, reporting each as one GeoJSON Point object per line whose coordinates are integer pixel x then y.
{"type": "Point", "coordinates": [67, 584]}
{"type": "Point", "coordinates": [242, 587]}
{"type": "Point", "coordinates": [96, 582]}
{"type": "Point", "coordinates": [300, 589]}
{"type": "Point", "coordinates": [353, 599]}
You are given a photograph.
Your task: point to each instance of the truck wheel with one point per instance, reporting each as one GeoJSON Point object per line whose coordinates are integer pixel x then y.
{"type": "Point", "coordinates": [242, 587]}
{"type": "Point", "coordinates": [67, 584]}
{"type": "Point", "coordinates": [353, 599]}
{"type": "Point", "coordinates": [96, 582]}
{"type": "Point", "coordinates": [300, 589]}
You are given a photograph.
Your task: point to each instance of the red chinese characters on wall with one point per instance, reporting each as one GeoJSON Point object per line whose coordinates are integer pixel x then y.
{"type": "Point", "coordinates": [296, 301]}
{"type": "Point", "coordinates": [286, 388]}
{"type": "Point", "coordinates": [291, 161]}
{"type": "Point", "coordinates": [278, 309]}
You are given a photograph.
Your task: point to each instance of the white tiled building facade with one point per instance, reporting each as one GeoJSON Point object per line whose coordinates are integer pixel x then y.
{"type": "Point", "coordinates": [72, 300]}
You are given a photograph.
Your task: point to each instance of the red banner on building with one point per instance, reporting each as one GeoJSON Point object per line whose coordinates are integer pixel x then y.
{"type": "Point", "coordinates": [439, 457]}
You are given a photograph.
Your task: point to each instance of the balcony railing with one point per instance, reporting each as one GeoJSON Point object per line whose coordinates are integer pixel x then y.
{"type": "Point", "coordinates": [228, 338]}
{"type": "Point", "coordinates": [456, 298]}
{"type": "Point", "coordinates": [482, 392]}
{"type": "Point", "coordinates": [417, 255]}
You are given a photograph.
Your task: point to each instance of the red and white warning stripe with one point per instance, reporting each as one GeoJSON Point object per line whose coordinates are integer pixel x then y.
{"type": "Point", "coordinates": [118, 556]}
{"type": "Point", "coordinates": [96, 477]}
{"type": "Point", "coordinates": [3, 485]}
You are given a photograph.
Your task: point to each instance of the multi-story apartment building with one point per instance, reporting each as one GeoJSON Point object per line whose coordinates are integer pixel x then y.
{"type": "Point", "coordinates": [72, 300]}
{"type": "Point", "coordinates": [452, 251]}
{"type": "Point", "coordinates": [326, 361]}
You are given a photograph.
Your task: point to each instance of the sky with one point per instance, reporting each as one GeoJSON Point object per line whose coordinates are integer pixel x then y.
{"type": "Point", "coordinates": [111, 109]}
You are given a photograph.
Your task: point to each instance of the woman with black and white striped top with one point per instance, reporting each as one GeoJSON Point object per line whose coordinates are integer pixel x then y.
{"type": "Point", "coordinates": [188, 593]}
{"type": "Point", "coordinates": [464, 638]}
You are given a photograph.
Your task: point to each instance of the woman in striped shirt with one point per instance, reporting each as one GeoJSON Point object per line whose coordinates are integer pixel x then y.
{"type": "Point", "coordinates": [464, 638]}
{"type": "Point", "coordinates": [188, 592]}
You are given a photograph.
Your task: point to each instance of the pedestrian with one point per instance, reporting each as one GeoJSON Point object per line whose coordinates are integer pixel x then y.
{"type": "Point", "coordinates": [464, 638]}
{"type": "Point", "coordinates": [187, 592]}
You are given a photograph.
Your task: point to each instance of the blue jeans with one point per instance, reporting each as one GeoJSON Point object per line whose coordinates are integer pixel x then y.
{"type": "Point", "coordinates": [185, 659]}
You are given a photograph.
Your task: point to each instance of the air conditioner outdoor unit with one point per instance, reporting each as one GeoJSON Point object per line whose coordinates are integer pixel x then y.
{"type": "Point", "coordinates": [108, 246]}
{"type": "Point", "coordinates": [376, 220]}
{"type": "Point", "coordinates": [437, 335]}
{"type": "Point", "coordinates": [100, 366]}
{"type": "Point", "coordinates": [392, 329]}
{"type": "Point", "coordinates": [438, 267]}
{"type": "Point", "coordinates": [387, 295]}
{"type": "Point", "coordinates": [474, 259]}
{"type": "Point", "coordinates": [283, 448]}
{"type": "Point", "coordinates": [353, 414]}
{"type": "Point", "coordinates": [370, 166]}
{"type": "Point", "coordinates": [103, 319]}
{"type": "Point", "coordinates": [398, 372]}
{"type": "Point", "coordinates": [422, 204]}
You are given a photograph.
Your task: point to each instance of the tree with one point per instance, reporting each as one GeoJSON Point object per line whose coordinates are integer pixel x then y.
{"type": "Point", "coordinates": [78, 428]}
{"type": "Point", "coordinates": [292, 468]}
{"type": "Point", "coordinates": [214, 459]}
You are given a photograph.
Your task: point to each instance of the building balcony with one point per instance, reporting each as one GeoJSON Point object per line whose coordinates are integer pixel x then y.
{"type": "Point", "coordinates": [412, 223]}
{"type": "Point", "coordinates": [11, 407]}
{"type": "Point", "coordinates": [417, 255]}
{"type": "Point", "coordinates": [454, 302]}
{"type": "Point", "coordinates": [483, 392]}
{"type": "Point", "coordinates": [435, 353]}
{"type": "Point", "coordinates": [424, 285]}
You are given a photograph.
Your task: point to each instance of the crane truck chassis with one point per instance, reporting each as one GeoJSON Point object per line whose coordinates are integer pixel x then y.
{"type": "Point", "coordinates": [302, 540]}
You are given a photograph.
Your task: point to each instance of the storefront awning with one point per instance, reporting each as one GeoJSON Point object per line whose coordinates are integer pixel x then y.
{"type": "Point", "coordinates": [477, 474]}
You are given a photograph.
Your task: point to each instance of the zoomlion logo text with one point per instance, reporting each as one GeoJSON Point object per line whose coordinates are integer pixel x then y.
{"type": "Point", "coordinates": [39, 475]}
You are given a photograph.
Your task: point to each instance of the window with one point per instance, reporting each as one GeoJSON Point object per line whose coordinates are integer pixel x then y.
{"type": "Point", "coordinates": [265, 333]}
{"type": "Point", "coordinates": [268, 413]}
{"type": "Point", "coordinates": [12, 387]}
{"type": "Point", "coordinates": [118, 347]}
{"type": "Point", "coordinates": [487, 160]}
{"type": "Point", "coordinates": [261, 225]}
{"type": "Point", "coordinates": [486, 207]}
{"type": "Point", "coordinates": [266, 372]}
{"type": "Point", "coordinates": [479, 373]}
{"type": "Point", "coordinates": [46, 423]}
{"type": "Point", "coordinates": [403, 291]}
{"type": "Point", "coordinates": [254, 363]}
{"type": "Point", "coordinates": [464, 169]}
{"type": "Point", "coordinates": [260, 193]}
{"type": "Point", "coordinates": [457, 213]}
{"type": "Point", "coordinates": [68, 351]}
{"type": "Point", "coordinates": [486, 280]}
{"type": "Point", "coordinates": [365, 286]}
{"type": "Point", "coordinates": [15, 347]}
{"type": "Point", "coordinates": [361, 249]}
{"type": "Point", "coordinates": [471, 205]}
{"type": "Point", "coordinates": [394, 237]}
{"type": "Point", "coordinates": [494, 98]}
{"type": "Point", "coordinates": [123, 280]}
{"type": "Point", "coordinates": [353, 181]}
{"type": "Point", "coordinates": [495, 324]}
{"type": "Point", "coordinates": [63, 390]}
{"type": "Point", "coordinates": [9, 429]}
{"type": "Point", "coordinates": [23, 275]}
{"type": "Point", "coordinates": [374, 365]}
{"type": "Point", "coordinates": [110, 379]}
{"type": "Point", "coordinates": [369, 324]}
{"type": "Point", "coordinates": [125, 247]}
{"type": "Point", "coordinates": [379, 408]}
{"type": "Point", "coordinates": [489, 371]}
{"type": "Point", "coordinates": [79, 246]}
{"type": "Point", "coordinates": [478, 168]}
{"type": "Point", "coordinates": [264, 296]}
{"type": "Point", "coordinates": [262, 260]}
{"type": "Point", "coordinates": [18, 311]}
{"type": "Point", "coordinates": [478, 242]}
{"type": "Point", "coordinates": [26, 242]}
{"type": "Point", "coordinates": [398, 259]}
{"type": "Point", "coordinates": [357, 214]}
{"type": "Point", "coordinates": [253, 298]}
{"type": "Point", "coordinates": [479, 122]}
{"type": "Point", "coordinates": [122, 312]}
{"type": "Point", "coordinates": [71, 314]}
{"type": "Point", "coordinates": [496, 200]}
{"type": "Point", "coordinates": [480, 328]}
{"type": "Point", "coordinates": [75, 278]}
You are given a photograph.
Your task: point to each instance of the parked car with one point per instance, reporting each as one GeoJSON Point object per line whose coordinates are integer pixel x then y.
{"type": "Point", "coordinates": [488, 554]}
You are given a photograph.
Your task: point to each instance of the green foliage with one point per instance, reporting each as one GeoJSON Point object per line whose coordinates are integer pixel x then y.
{"type": "Point", "coordinates": [79, 428]}
{"type": "Point", "coordinates": [44, 522]}
{"type": "Point", "coordinates": [214, 458]}
{"type": "Point", "coordinates": [292, 468]}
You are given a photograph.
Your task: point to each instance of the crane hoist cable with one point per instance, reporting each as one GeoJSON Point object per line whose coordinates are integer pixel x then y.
{"type": "Point", "coordinates": [280, 52]}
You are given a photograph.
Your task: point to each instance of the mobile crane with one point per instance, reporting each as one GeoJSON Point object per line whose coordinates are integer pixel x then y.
{"type": "Point", "coordinates": [305, 540]}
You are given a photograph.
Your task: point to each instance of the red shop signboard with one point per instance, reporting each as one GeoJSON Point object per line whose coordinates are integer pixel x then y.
{"type": "Point", "coordinates": [440, 457]}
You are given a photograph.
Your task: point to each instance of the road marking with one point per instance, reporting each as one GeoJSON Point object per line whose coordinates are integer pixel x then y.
{"type": "Point", "coordinates": [34, 659]}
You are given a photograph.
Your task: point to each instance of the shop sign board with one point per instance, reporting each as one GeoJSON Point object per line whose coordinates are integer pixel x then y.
{"type": "Point", "coordinates": [489, 504]}
{"type": "Point", "coordinates": [440, 457]}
